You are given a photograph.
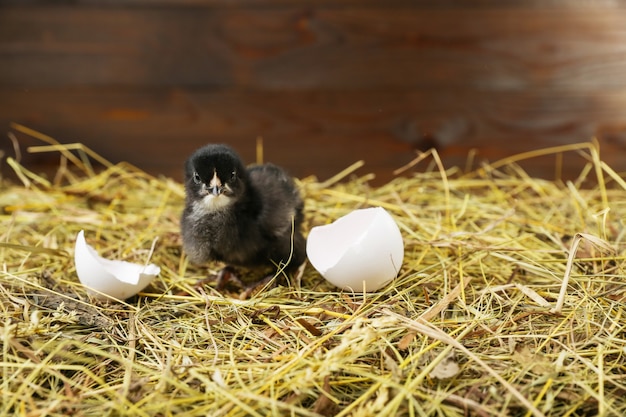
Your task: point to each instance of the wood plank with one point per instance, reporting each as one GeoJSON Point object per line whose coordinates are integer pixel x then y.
{"type": "Point", "coordinates": [314, 48]}
{"type": "Point", "coordinates": [319, 132]}
{"type": "Point", "coordinates": [224, 3]}
{"type": "Point", "coordinates": [324, 84]}
{"type": "Point", "coordinates": [424, 4]}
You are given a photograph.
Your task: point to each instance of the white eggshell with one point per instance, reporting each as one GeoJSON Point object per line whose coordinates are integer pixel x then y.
{"type": "Point", "coordinates": [105, 277]}
{"type": "Point", "coordinates": [362, 250]}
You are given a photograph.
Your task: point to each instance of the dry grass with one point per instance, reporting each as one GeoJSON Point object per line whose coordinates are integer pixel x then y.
{"type": "Point", "coordinates": [475, 324]}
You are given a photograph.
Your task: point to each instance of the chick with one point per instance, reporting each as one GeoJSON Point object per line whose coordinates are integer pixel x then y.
{"type": "Point", "coordinates": [244, 217]}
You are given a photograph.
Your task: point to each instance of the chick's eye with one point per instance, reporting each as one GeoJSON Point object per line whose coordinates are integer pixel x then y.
{"type": "Point", "coordinates": [196, 178]}
{"type": "Point", "coordinates": [234, 175]}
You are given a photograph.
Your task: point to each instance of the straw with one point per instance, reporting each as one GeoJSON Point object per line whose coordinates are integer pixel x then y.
{"type": "Point", "coordinates": [510, 301]}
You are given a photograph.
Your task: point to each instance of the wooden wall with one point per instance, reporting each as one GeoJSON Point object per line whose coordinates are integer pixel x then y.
{"type": "Point", "coordinates": [325, 83]}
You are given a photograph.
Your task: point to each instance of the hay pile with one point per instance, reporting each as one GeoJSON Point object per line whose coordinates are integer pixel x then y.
{"type": "Point", "coordinates": [475, 324]}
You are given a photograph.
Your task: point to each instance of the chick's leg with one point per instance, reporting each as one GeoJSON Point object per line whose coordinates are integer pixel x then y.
{"type": "Point", "coordinates": [255, 287]}
{"type": "Point", "coordinates": [228, 275]}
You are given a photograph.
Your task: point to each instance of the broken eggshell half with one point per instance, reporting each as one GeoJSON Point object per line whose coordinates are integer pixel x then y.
{"type": "Point", "coordinates": [361, 251]}
{"type": "Point", "coordinates": [106, 278]}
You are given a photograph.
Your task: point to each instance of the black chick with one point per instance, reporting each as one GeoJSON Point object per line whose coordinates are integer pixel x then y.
{"type": "Point", "coordinates": [247, 217]}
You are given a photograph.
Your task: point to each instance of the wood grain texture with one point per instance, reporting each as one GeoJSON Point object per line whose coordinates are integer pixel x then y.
{"type": "Point", "coordinates": [325, 83]}
{"type": "Point", "coordinates": [322, 48]}
{"type": "Point", "coordinates": [317, 133]}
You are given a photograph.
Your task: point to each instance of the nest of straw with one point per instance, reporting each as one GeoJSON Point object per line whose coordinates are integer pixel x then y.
{"type": "Point", "coordinates": [511, 301]}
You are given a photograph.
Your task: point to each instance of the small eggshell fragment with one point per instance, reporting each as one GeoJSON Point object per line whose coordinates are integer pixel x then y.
{"type": "Point", "coordinates": [362, 250]}
{"type": "Point", "coordinates": [110, 278]}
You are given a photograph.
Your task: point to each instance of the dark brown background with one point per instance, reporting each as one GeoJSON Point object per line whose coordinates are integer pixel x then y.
{"type": "Point", "coordinates": [324, 82]}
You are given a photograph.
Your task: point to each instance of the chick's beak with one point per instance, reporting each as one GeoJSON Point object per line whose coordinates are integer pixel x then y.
{"type": "Point", "coordinates": [215, 185]}
{"type": "Point", "coordinates": [214, 190]}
